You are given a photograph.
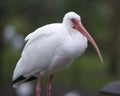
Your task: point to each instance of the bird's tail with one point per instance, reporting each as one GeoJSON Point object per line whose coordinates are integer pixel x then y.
{"type": "Point", "coordinates": [21, 80]}
{"type": "Point", "coordinates": [19, 74]}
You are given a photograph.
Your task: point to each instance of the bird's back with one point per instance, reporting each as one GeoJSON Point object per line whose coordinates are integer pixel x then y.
{"type": "Point", "coordinates": [39, 51]}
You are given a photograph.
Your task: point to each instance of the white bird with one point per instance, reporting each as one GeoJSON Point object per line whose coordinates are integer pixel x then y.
{"type": "Point", "coordinates": [52, 48]}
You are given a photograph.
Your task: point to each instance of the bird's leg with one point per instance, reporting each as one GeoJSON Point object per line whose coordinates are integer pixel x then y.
{"type": "Point", "coordinates": [38, 87]}
{"type": "Point", "coordinates": [49, 85]}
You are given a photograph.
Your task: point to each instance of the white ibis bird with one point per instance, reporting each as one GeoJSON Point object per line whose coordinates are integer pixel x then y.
{"type": "Point", "coordinates": [52, 48]}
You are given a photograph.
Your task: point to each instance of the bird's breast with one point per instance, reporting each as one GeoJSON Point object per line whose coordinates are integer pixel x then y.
{"type": "Point", "coordinates": [75, 46]}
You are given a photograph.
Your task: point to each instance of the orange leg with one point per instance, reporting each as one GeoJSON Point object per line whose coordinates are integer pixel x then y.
{"type": "Point", "coordinates": [38, 87]}
{"type": "Point", "coordinates": [49, 85]}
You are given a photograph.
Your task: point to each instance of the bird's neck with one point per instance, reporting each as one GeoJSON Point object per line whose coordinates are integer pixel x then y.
{"type": "Point", "coordinates": [68, 24]}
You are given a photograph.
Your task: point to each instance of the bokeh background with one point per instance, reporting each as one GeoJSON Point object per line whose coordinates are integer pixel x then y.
{"type": "Point", "coordinates": [86, 75]}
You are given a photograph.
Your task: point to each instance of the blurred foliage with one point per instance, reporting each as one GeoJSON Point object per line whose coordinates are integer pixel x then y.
{"type": "Point", "coordinates": [98, 17]}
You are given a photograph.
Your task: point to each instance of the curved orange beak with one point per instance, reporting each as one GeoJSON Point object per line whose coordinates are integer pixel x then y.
{"type": "Point", "coordinates": [78, 25]}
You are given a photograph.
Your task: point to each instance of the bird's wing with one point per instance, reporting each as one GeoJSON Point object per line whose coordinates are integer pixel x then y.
{"type": "Point", "coordinates": [37, 53]}
{"type": "Point", "coordinates": [37, 35]}
{"type": "Point", "coordinates": [29, 36]}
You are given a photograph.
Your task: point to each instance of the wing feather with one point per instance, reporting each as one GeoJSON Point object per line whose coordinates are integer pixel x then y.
{"type": "Point", "coordinates": [37, 53]}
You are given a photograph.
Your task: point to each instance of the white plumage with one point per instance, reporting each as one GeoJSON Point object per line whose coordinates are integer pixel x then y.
{"type": "Point", "coordinates": [51, 48]}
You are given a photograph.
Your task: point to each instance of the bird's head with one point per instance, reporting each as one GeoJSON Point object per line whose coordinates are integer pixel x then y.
{"type": "Point", "coordinates": [73, 21]}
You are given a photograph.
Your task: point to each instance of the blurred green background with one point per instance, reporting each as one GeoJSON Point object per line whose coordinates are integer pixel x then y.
{"type": "Point", "coordinates": [86, 75]}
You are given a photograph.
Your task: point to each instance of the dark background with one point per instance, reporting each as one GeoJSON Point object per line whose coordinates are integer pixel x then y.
{"type": "Point", "coordinates": [86, 75]}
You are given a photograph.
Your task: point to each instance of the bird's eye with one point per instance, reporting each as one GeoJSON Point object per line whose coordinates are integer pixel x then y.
{"type": "Point", "coordinates": [74, 21]}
